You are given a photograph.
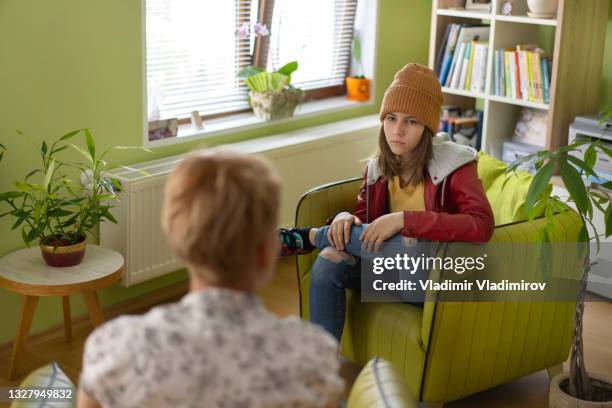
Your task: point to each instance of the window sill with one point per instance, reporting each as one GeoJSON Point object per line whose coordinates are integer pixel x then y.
{"type": "Point", "coordinates": [248, 121]}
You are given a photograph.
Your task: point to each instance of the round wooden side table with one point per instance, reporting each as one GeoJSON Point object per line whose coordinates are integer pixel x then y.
{"type": "Point", "coordinates": [25, 272]}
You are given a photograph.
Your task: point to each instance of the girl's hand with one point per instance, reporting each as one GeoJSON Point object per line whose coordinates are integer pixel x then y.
{"type": "Point", "coordinates": [339, 231]}
{"type": "Point", "coordinates": [380, 230]}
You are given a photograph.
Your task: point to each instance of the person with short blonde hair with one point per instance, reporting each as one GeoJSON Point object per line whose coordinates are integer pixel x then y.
{"type": "Point", "coordinates": [218, 346]}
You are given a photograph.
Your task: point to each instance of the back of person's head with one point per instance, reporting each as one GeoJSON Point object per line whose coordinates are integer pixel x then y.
{"type": "Point", "coordinates": [219, 208]}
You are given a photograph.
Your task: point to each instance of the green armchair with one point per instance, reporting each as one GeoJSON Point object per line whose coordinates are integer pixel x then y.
{"type": "Point", "coordinates": [448, 350]}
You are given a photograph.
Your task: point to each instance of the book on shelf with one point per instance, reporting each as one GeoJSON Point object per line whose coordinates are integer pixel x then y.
{"type": "Point", "coordinates": [449, 48]}
{"type": "Point", "coordinates": [522, 72]}
{"type": "Point", "coordinates": [456, 49]}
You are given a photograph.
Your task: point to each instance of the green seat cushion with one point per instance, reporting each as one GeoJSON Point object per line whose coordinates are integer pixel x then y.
{"type": "Point", "coordinates": [48, 377]}
{"type": "Point", "coordinates": [507, 203]}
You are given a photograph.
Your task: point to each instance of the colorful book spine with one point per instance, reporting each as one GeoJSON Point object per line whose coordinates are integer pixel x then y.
{"type": "Point", "coordinates": [546, 81]}
{"type": "Point", "coordinates": [477, 66]}
{"type": "Point", "coordinates": [522, 56]}
{"type": "Point", "coordinates": [517, 84]}
{"type": "Point", "coordinates": [448, 54]}
{"type": "Point", "coordinates": [502, 74]}
{"type": "Point", "coordinates": [531, 88]}
{"type": "Point", "coordinates": [538, 76]}
{"type": "Point", "coordinates": [457, 69]}
{"type": "Point", "coordinates": [464, 67]}
{"type": "Point", "coordinates": [496, 75]}
{"type": "Point", "coordinates": [468, 80]}
{"type": "Point", "coordinates": [508, 82]}
{"type": "Point", "coordinates": [454, 59]}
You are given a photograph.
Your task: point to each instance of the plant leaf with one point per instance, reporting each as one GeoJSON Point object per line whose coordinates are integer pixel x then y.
{"type": "Point", "coordinates": [574, 185]}
{"type": "Point", "coordinates": [538, 186]}
{"type": "Point", "coordinates": [91, 146]}
{"type": "Point", "coordinates": [32, 235]}
{"type": "Point", "coordinates": [249, 71]}
{"type": "Point", "coordinates": [588, 169]}
{"type": "Point", "coordinates": [608, 218]}
{"type": "Point", "coordinates": [70, 134]}
{"type": "Point", "coordinates": [83, 152]}
{"type": "Point", "coordinates": [11, 194]}
{"type": "Point", "coordinates": [49, 174]}
{"type": "Point", "coordinates": [288, 68]}
{"type": "Point", "coordinates": [590, 156]}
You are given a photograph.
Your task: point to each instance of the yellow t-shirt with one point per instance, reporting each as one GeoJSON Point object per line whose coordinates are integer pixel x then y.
{"type": "Point", "coordinates": [409, 198]}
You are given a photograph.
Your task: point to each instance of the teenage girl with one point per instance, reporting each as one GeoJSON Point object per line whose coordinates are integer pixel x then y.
{"type": "Point", "coordinates": [414, 187]}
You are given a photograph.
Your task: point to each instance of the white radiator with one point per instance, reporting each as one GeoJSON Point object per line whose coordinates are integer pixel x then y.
{"type": "Point", "coordinates": [305, 159]}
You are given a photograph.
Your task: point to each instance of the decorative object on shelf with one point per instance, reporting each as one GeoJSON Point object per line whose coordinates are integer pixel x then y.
{"type": "Point", "coordinates": [506, 7]}
{"type": "Point", "coordinates": [542, 8]}
{"type": "Point", "coordinates": [577, 388]}
{"type": "Point", "coordinates": [481, 5]}
{"type": "Point", "coordinates": [57, 211]}
{"type": "Point", "coordinates": [531, 127]}
{"type": "Point", "coordinates": [271, 94]}
{"type": "Point", "coordinates": [163, 129]}
{"type": "Point", "coordinates": [357, 86]}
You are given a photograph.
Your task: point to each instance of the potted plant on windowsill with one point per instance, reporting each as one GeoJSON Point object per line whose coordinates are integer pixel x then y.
{"type": "Point", "coordinates": [50, 207]}
{"type": "Point", "coordinates": [357, 86]}
{"type": "Point", "coordinates": [270, 93]}
{"type": "Point", "coordinates": [576, 388]}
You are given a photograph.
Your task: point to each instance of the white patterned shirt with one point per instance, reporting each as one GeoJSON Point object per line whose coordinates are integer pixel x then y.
{"type": "Point", "coordinates": [214, 348]}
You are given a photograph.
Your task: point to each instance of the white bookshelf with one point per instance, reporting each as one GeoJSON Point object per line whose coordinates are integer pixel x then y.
{"type": "Point", "coordinates": [578, 38]}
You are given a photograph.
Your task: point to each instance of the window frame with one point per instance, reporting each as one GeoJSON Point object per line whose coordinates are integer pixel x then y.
{"type": "Point", "coordinates": [321, 100]}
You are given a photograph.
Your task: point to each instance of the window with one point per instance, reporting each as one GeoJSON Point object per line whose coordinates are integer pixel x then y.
{"type": "Point", "coordinates": [193, 54]}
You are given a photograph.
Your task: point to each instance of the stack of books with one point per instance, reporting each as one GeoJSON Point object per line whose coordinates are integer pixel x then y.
{"type": "Point", "coordinates": [461, 62]}
{"type": "Point", "coordinates": [522, 73]}
{"type": "Point", "coordinates": [463, 127]}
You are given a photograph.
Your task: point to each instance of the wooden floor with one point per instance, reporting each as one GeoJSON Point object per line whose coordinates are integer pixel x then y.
{"type": "Point", "coordinates": [281, 297]}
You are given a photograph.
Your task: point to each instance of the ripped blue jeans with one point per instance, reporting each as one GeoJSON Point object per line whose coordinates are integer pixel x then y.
{"type": "Point", "coordinates": [331, 276]}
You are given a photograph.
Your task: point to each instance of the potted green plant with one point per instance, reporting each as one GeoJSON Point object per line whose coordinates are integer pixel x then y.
{"type": "Point", "coordinates": [50, 207]}
{"type": "Point", "coordinates": [357, 86]}
{"type": "Point", "coordinates": [270, 93]}
{"type": "Point", "coordinates": [576, 388]}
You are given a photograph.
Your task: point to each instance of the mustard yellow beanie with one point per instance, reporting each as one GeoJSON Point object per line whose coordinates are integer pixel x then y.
{"type": "Point", "coordinates": [416, 91]}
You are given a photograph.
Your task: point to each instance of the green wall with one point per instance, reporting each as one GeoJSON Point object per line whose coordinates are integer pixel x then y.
{"type": "Point", "coordinates": [67, 64]}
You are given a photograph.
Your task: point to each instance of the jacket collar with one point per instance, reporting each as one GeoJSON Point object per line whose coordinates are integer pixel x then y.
{"type": "Point", "coordinates": [447, 157]}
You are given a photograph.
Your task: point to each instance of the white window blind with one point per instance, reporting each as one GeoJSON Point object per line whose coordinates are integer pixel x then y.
{"type": "Point", "coordinates": [317, 34]}
{"type": "Point", "coordinates": [193, 56]}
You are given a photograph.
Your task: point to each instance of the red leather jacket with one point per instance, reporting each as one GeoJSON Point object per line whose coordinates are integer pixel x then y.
{"type": "Point", "coordinates": [456, 208]}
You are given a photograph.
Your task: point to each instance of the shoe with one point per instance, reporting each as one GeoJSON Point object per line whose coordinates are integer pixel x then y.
{"type": "Point", "coordinates": [294, 241]}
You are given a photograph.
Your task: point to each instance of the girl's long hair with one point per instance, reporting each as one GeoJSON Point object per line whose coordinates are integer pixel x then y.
{"type": "Point", "coordinates": [391, 166]}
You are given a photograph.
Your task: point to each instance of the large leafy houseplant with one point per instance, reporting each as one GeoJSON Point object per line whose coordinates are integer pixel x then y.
{"type": "Point", "coordinates": [270, 92]}
{"type": "Point", "coordinates": [586, 199]}
{"type": "Point", "coordinates": [50, 207]}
